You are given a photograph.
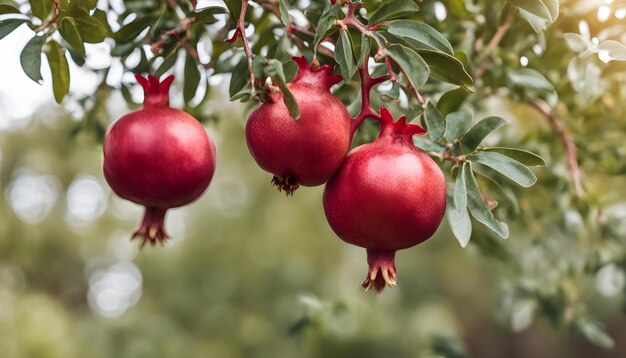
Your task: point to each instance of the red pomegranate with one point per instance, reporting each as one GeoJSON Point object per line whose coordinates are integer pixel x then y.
{"type": "Point", "coordinates": [159, 157]}
{"type": "Point", "coordinates": [306, 151]}
{"type": "Point", "coordinates": [387, 196]}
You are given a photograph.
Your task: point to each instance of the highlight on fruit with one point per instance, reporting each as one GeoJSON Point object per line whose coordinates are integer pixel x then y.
{"type": "Point", "coordinates": [159, 157]}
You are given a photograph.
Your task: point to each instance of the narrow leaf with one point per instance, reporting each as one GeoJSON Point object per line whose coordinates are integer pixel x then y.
{"type": "Point", "coordinates": [411, 64]}
{"type": "Point", "coordinates": [192, 78]}
{"type": "Point", "coordinates": [366, 47]}
{"type": "Point", "coordinates": [234, 7]}
{"type": "Point", "coordinates": [478, 208]}
{"type": "Point", "coordinates": [529, 79]}
{"type": "Point", "coordinates": [344, 56]}
{"type": "Point", "coordinates": [392, 9]}
{"type": "Point", "coordinates": [206, 15]}
{"type": "Point", "coordinates": [284, 12]}
{"type": "Point", "coordinates": [8, 9]}
{"type": "Point", "coordinates": [275, 70]}
{"type": "Point", "coordinates": [435, 124]}
{"type": "Point", "coordinates": [457, 213]}
{"type": "Point", "coordinates": [446, 67]}
{"type": "Point", "coordinates": [451, 101]}
{"type": "Point", "coordinates": [30, 58]}
{"type": "Point", "coordinates": [7, 26]}
{"type": "Point", "coordinates": [479, 131]}
{"type": "Point", "coordinates": [70, 33]}
{"type": "Point", "coordinates": [90, 28]}
{"type": "Point", "coordinates": [538, 13]}
{"type": "Point", "coordinates": [457, 124]}
{"type": "Point", "coordinates": [41, 8]}
{"type": "Point", "coordinates": [506, 166]}
{"type": "Point", "coordinates": [59, 69]}
{"type": "Point", "coordinates": [523, 156]}
{"type": "Point", "coordinates": [420, 35]}
{"type": "Point", "coordinates": [131, 30]}
{"type": "Point", "coordinates": [325, 25]}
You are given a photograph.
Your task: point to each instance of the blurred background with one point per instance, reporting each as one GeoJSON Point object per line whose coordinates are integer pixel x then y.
{"type": "Point", "coordinates": [252, 273]}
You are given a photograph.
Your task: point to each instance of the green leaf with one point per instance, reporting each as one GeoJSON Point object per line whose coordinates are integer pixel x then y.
{"type": "Point", "coordinates": [41, 8]}
{"type": "Point", "coordinates": [451, 101]}
{"type": "Point", "coordinates": [90, 28]}
{"type": "Point", "coordinates": [529, 79]}
{"type": "Point", "coordinates": [275, 70]}
{"type": "Point", "coordinates": [411, 64]}
{"type": "Point", "coordinates": [206, 15]}
{"type": "Point", "coordinates": [7, 26]}
{"type": "Point", "coordinates": [192, 78]}
{"type": "Point", "coordinates": [420, 35]}
{"type": "Point", "coordinates": [78, 58]}
{"type": "Point", "coordinates": [577, 43]}
{"type": "Point", "coordinates": [506, 166]}
{"type": "Point", "coordinates": [427, 145]}
{"type": "Point", "coordinates": [538, 13]}
{"type": "Point", "coordinates": [168, 62]}
{"type": "Point", "coordinates": [414, 112]}
{"type": "Point", "coordinates": [446, 68]}
{"type": "Point", "coordinates": [59, 69]}
{"type": "Point", "coordinates": [594, 332]}
{"type": "Point", "coordinates": [131, 30]}
{"type": "Point", "coordinates": [457, 124]}
{"type": "Point", "coordinates": [523, 156]}
{"type": "Point", "coordinates": [284, 12]}
{"type": "Point", "coordinates": [325, 25]}
{"type": "Point", "coordinates": [30, 58]}
{"type": "Point", "coordinates": [70, 33]}
{"type": "Point", "coordinates": [291, 70]}
{"type": "Point", "coordinates": [479, 131]}
{"type": "Point", "coordinates": [478, 208]}
{"type": "Point", "coordinates": [392, 9]}
{"type": "Point", "coordinates": [234, 7]}
{"type": "Point", "coordinates": [366, 47]}
{"type": "Point", "coordinates": [457, 213]}
{"type": "Point", "coordinates": [435, 124]}
{"type": "Point", "coordinates": [8, 9]}
{"type": "Point", "coordinates": [237, 83]}
{"type": "Point", "coordinates": [344, 56]}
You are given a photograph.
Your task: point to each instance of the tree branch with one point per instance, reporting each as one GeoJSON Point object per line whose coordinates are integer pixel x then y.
{"type": "Point", "coordinates": [493, 44]}
{"type": "Point", "coordinates": [568, 144]}
{"type": "Point", "coordinates": [240, 30]}
{"type": "Point", "coordinates": [367, 82]}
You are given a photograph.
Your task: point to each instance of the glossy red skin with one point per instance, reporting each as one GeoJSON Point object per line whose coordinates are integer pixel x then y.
{"type": "Point", "coordinates": [387, 195]}
{"type": "Point", "coordinates": [310, 149]}
{"type": "Point", "coordinates": [158, 157]}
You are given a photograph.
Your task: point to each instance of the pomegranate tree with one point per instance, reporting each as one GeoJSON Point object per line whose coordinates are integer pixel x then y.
{"type": "Point", "coordinates": [387, 196]}
{"type": "Point", "coordinates": [306, 151]}
{"type": "Point", "coordinates": [159, 157]}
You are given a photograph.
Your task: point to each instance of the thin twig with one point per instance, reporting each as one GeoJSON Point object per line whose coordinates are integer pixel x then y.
{"type": "Point", "coordinates": [493, 44]}
{"type": "Point", "coordinates": [240, 30]}
{"type": "Point", "coordinates": [568, 144]}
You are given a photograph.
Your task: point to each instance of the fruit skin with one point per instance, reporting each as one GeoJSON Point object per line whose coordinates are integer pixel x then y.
{"type": "Point", "coordinates": [158, 157]}
{"type": "Point", "coordinates": [387, 196]}
{"type": "Point", "coordinates": [306, 151]}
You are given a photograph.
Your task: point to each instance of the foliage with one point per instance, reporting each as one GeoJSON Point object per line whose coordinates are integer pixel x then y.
{"type": "Point", "coordinates": [557, 70]}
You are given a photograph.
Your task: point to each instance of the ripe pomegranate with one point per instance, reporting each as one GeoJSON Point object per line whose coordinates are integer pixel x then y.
{"type": "Point", "coordinates": [305, 151]}
{"type": "Point", "coordinates": [159, 157]}
{"type": "Point", "coordinates": [387, 196]}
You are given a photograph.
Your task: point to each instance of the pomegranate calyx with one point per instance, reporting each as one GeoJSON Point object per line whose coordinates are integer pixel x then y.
{"type": "Point", "coordinates": [382, 269]}
{"type": "Point", "coordinates": [287, 183]}
{"type": "Point", "coordinates": [152, 227]}
{"type": "Point", "coordinates": [156, 93]}
{"type": "Point", "coordinates": [398, 128]}
{"type": "Point", "coordinates": [309, 75]}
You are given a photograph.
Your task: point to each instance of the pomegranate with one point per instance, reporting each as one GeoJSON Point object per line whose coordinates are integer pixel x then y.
{"type": "Point", "coordinates": [387, 196]}
{"type": "Point", "coordinates": [159, 157]}
{"type": "Point", "coordinates": [306, 151]}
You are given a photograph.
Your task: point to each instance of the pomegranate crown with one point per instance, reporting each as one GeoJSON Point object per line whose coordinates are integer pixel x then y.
{"type": "Point", "coordinates": [399, 128]}
{"type": "Point", "coordinates": [316, 77]}
{"type": "Point", "coordinates": [156, 93]}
